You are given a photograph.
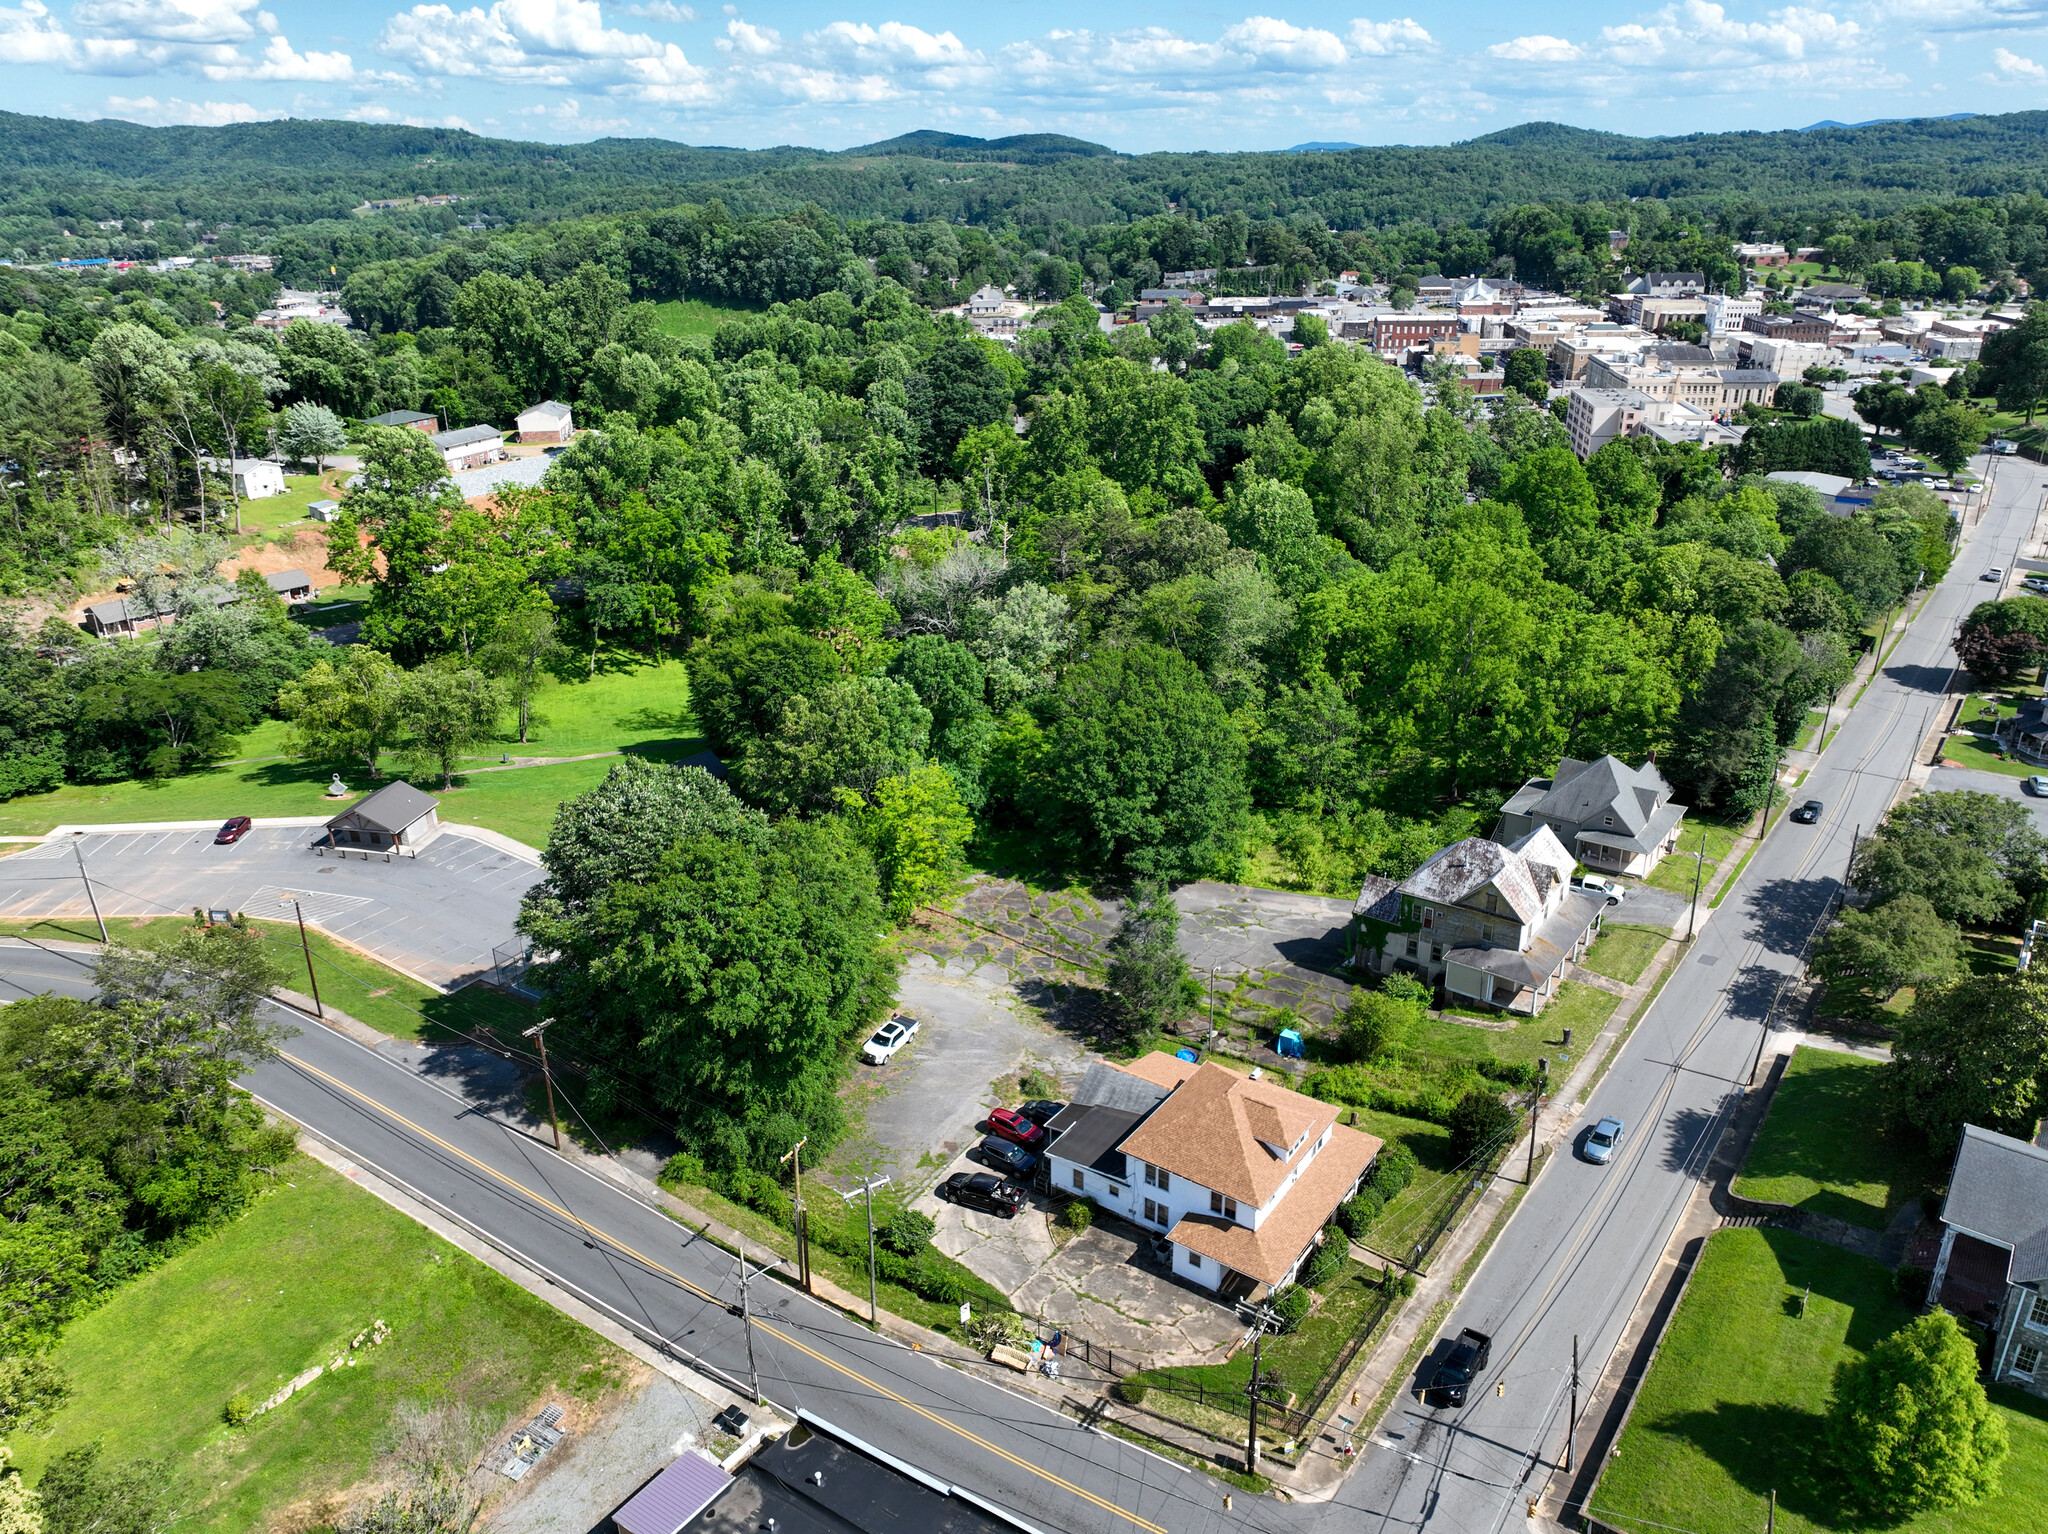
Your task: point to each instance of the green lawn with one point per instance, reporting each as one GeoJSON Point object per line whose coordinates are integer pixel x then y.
{"type": "Point", "coordinates": [350, 981]}
{"type": "Point", "coordinates": [695, 317]}
{"type": "Point", "coordinates": [1820, 1148]}
{"type": "Point", "coordinates": [1581, 1008]}
{"type": "Point", "coordinates": [1623, 953]}
{"type": "Point", "coordinates": [1733, 1408]}
{"type": "Point", "coordinates": [642, 707]}
{"type": "Point", "coordinates": [1978, 752]}
{"type": "Point", "coordinates": [1675, 872]}
{"type": "Point", "coordinates": [286, 513]}
{"type": "Point", "coordinates": [310, 1267]}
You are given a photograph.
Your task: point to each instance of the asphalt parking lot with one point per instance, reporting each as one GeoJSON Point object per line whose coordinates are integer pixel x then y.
{"type": "Point", "coordinates": [436, 917]}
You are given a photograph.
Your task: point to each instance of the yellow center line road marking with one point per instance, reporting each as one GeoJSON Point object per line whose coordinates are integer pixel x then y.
{"type": "Point", "coordinates": [779, 1335]}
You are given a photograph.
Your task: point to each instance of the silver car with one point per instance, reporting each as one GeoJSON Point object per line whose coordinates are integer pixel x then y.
{"type": "Point", "coordinates": [1603, 1140]}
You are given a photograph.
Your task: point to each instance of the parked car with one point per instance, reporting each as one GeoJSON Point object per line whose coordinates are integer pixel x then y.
{"type": "Point", "coordinates": [979, 1190]}
{"type": "Point", "coordinates": [1594, 884]}
{"type": "Point", "coordinates": [232, 832]}
{"type": "Point", "coordinates": [1009, 1124]}
{"type": "Point", "coordinates": [889, 1038]}
{"type": "Point", "coordinates": [1995, 573]}
{"type": "Point", "coordinates": [1040, 1111]}
{"type": "Point", "coordinates": [1603, 1140]}
{"type": "Point", "coordinates": [2004, 445]}
{"type": "Point", "coordinates": [1808, 813]}
{"type": "Point", "coordinates": [2037, 786]}
{"type": "Point", "coordinates": [1467, 1357]}
{"type": "Point", "coordinates": [1013, 1160]}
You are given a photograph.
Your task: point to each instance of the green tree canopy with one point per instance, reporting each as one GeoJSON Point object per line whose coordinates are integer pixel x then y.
{"type": "Point", "coordinates": [1973, 1051]}
{"type": "Point", "coordinates": [1910, 1427]}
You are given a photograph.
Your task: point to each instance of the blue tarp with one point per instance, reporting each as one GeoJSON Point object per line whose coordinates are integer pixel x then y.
{"type": "Point", "coordinates": [1289, 1043]}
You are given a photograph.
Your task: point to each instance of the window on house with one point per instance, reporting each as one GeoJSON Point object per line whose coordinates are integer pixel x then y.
{"type": "Point", "coordinates": [1486, 932]}
{"type": "Point", "coordinates": [1080, 1178]}
{"type": "Point", "coordinates": [1151, 1175]}
{"type": "Point", "coordinates": [1412, 948]}
{"type": "Point", "coordinates": [2028, 1360]}
{"type": "Point", "coordinates": [1218, 1204]}
{"type": "Point", "coordinates": [1165, 1180]}
{"type": "Point", "coordinates": [2038, 1315]}
{"type": "Point", "coordinates": [1428, 918]}
{"type": "Point", "coordinates": [1194, 1259]}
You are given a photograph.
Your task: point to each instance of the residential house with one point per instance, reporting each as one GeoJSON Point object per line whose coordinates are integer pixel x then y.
{"type": "Point", "coordinates": [1992, 1269]}
{"type": "Point", "coordinates": [986, 302]}
{"type": "Point", "coordinates": [469, 447]}
{"type": "Point", "coordinates": [1612, 817]}
{"type": "Point", "coordinates": [414, 419]}
{"type": "Point", "coordinates": [257, 479]}
{"type": "Point", "coordinates": [1238, 1175]}
{"type": "Point", "coordinates": [549, 421]}
{"type": "Point", "coordinates": [291, 586]}
{"type": "Point", "coordinates": [1489, 923]}
{"type": "Point", "coordinates": [396, 815]}
{"type": "Point", "coordinates": [130, 615]}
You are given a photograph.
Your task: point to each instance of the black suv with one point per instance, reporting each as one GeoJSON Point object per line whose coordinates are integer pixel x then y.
{"type": "Point", "coordinates": [1466, 1359]}
{"type": "Point", "coordinates": [979, 1190]}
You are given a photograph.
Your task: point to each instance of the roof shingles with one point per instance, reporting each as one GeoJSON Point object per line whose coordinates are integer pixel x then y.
{"type": "Point", "coordinates": [1215, 1128]}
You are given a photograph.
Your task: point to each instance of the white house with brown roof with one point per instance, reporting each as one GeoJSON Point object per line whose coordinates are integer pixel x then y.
{"type": "Point", "coordinates": [1488, 923]}
{"type": "Point", "coordinates": [1239, 1176]}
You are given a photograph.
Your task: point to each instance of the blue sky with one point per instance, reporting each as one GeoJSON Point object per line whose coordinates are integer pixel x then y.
{"type": "Point", "coordinates": [834, 73]}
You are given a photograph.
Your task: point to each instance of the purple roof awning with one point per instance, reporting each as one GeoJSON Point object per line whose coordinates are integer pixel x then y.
{"type": "Point", "coordinates": [674, 1497]}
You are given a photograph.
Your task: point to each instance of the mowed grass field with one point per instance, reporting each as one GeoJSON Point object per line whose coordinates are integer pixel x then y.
{"type": "Point", "coordinates": [1820, 1147]}
{"type": "Point", "coordinates": [1735, 1405]}
{"type": "Point", "coordinates": [314, 1264]}
{"type": "Point", "coordinates": [627, 706]}
{"type": "Point", "coordinates": [694, 316]}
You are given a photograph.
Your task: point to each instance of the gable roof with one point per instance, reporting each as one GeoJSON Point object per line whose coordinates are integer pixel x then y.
{"type": "Point", "coordinates": [1583, 792]}
{"type": "Point", "coordinates": [398, 418]}
{"type": "Point", "coordinates": [1216, 1126]}
{"type": "Point", "coordinates": [1464, 868]}
{"type": "Point", "coordinates": [391, 808]}
{"type": "Point", "coordinates": [1999, 1190]}
{"type": "Point", "coordinates": [547, 407]}
{"type": "Point", "coordinates": [1110, 1086]}
{"type": "Point", "coordinates": [463, 436]}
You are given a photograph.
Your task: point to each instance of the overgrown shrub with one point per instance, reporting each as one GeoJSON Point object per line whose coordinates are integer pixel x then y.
{"type": "Point", "coordinates": [1132, 1391]}
{"type": "Point", "coordinates": [1328, 1259]}
{"type": "Point", "coordinates": [1393, 1170]}
{"type": "Point", "coordinates": [1357, 1214]}
{"type": "Point", "coordinates": [1078, 1215]}
{"type": "Point", "coordinates": [1912, 1284]}
{"type": "Point", "coordinates": [1396, 1283]}
{"type": "Point", "coordinates": [684, 1167]}
{"type": "Point", "coordinates": [239, 1409]}
{"type": "Point", "coordinates": [1292, 1307]}
{"type": "Point", "coordinates": [1480, 1124]}
{"type": "Point", "coordinates": [1407, 988]}
{"type": "Point", "coordinates": [905, 1232]}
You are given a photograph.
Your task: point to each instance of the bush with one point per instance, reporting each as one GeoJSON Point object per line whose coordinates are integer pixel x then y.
{"type": "Point", "coordinates": [1078, 1215]}
{"type": "Point", "coordinates": [1328, 1259]}
{"type": "Point", "coordinates": [1377, 1025]}
{"type": "Point", "coordinates": [1292, 1307]}
{"type": "Point", "coordinates": [1480, 1125]}
{"type": "Point", "coordinates": [1357, 1214]}
{"type": "Point", "coordinates": [239, 1409]}
{"type": "Point", "coordinates": [1910, 1427]}
{"type": "Point", "coordinates": [1036, 1083]}
{"type": "Point", "coordinates": [686, 1167]}
{"type": "Point", "coordinates": [905, 1232]}
{"type": "Point", "coordinates": [937, 1285]}
{"type": "Point", "coordinates": [1400, 1284]}
{"type": "Point", "coordinates": [1132, 1391]}
{"type": "Point", "coordinates": [1407, 988]}
{"type": "Point", "coordinates": [1393, 1170]}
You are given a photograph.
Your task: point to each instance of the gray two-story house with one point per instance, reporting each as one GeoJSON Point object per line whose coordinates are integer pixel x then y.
{"type": "Point", "coordinates": [1614, 818]}
{"type": "Point", "coordinates": [1992, 1268]}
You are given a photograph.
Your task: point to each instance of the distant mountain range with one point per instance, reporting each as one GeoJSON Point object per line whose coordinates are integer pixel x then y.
{"type": "Point", "coordinates": [1320, 147]}
{"type": "Point", "coordinates": [1872, 122]}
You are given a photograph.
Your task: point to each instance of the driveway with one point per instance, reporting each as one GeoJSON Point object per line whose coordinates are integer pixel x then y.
{"type": "Point", "coordinates": [974, 1040]}
{"type": "Point", "coordinates": [436, 917]}
{"type": "Point", "coordinates": [1989, 783]}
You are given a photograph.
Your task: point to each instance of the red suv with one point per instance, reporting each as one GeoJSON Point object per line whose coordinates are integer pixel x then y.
{"type": "Point", "coordinates": [232, 832]}
{"type": "Point", "coordinates": [1015, 1128]}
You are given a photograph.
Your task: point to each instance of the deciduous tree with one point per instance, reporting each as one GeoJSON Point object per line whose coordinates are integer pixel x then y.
{"type": "Point", "coordinates": [1910, 1427]}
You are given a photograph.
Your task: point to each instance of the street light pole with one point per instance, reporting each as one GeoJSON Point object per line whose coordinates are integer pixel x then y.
{"type": "Point", "coordinates": [91, 898]}
{"type": "Point", "coordinates": [803, 1231]}
{"type": "Point", "coordinates": [539, 1033]}
{"type": "Point", "coordinates": [868, 1188]}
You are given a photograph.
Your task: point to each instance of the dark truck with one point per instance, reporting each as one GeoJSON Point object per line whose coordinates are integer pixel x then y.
{"type": "Point", "coordinates": [1468, 1356]}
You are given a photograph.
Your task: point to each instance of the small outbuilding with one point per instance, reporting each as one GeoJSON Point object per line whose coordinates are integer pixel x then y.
{"type": "Point", "coordinates": [549, 421]}
{"type": "Point", "coordinates": [291, 585]}
{"type": "Point", "coordinates": [324, 511]}
{"type": "Point", "coordinates": [258, 479]}
{"type": "Point", "coordinates": [396, 815]}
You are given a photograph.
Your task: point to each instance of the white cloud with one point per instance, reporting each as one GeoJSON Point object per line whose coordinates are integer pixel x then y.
{"type": "Point", "coordinates": [1537, 48]}
{"type": "Point", "coordinates": [168, 21]}
{"type": "Point", "coordinates": [279, 62]}
{"type": "Point", "coordinates": [1904, 16]}
{"type": "Point", "coordinates": [744, 37]}
{"type": "Point", "coordinates": [542, 43]}
{"type": "Point", "coordinates": [377, 112]}
{"type": "Point", "coordinates": [2013, 67]}
{"type": "Point", "coordinates": [660, 10]}
{"type": "Point", "coordinates": [1697, 34]}
{"type": "Point", "coordinates": [1377, 39]}
{"type": "Point", "coordinates": [205, 114]}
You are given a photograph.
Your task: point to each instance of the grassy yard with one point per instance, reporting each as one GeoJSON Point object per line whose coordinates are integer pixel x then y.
{"type": "Point", "coordinates": [350, 982]}
{"type": "Point", "coordinates": [1579, 1007]}
{"type": "Point", "coordinates": [1979, 749]}
{"type": "Point", "coordinates": [1733, 1408]}
{"type": "Point", "coordinates": [695, 317]}
{"type": "Point", "coordinates": [1623, 953]}
{"type": "Point", "coordinates": [1675, 873]}
{"type": "Point", "coordinates": [286, 513]}
{"type": "Point", "coordinates": [1819, 1150]}
{"type": "Point", "coordinates": [644, 708]}
{"type": "Point", "coordinates": [311, 1266]}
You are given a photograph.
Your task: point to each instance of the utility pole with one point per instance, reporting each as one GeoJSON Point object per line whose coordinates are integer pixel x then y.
{"type": "Point", "coordinates": [1855, 838]}
{"type": "Point", "coordinates": [868, 1188]}
{"type": "Point", "coordinates": [539, 1033]}
{"type": "Point", "coordinates": [1699, 863]}
{"type": "Point", "coordinates": [91, 898]}
{"type": "Point", "coordinates": [744, 1310]}
{"type": "Point", "coordinates": [1770, 792]}
{"type": "Point", "coordinates": [1261, 1319]}
{"type": "Point", "coordinates": [1571, 1432]}
{"type": "Point", "coordinates": [803, 1229]}
{"type": "Point", "coordinates": [1535, 1107]}
{"type": "Point", "coordinates": [306, 947]}
{"type": "Point", "coordinates": [1771, 1518]}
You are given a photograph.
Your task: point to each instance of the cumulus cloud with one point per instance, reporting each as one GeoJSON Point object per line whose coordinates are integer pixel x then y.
{"type": "Point", "coordinates": [279, 62]}
{"type": "Point", "coordinates": [169, 21]}
{"type": "Point", "coordinates": [378, 112]}
{"type": "Point", "coordinates": [1378, 39]}
{"type": "Point", "coordinates": [660, 10]}
{"type": "Point", "coordinates": [2013, 67]}
{"type": "Point", "coordinates": [1958, 15]}
{"type": "Point", "coordinates": [542, 43]}
{"type": "Point", "coordinates": [1537, 48]}
{"type": "Point", "coordinates": [202, 114]}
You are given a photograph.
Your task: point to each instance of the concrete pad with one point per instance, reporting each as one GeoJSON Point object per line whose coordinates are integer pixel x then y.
{"type": "Point", "coordinates": [1105, 1286]}
{"type": "Point", "coordinates": [578, 1483]}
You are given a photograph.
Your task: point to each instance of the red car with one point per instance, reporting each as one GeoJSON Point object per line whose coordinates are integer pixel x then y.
{"type": "Point", "coordinates": [1015, 1128]}
{"type": "Point", "coordinates": [232, 832]}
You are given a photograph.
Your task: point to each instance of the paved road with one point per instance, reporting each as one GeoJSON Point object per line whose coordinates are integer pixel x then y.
{"type": "Point", "coordinates": [436, 916]}
{"type": "Point", "coordinates": [1577, 1254]}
